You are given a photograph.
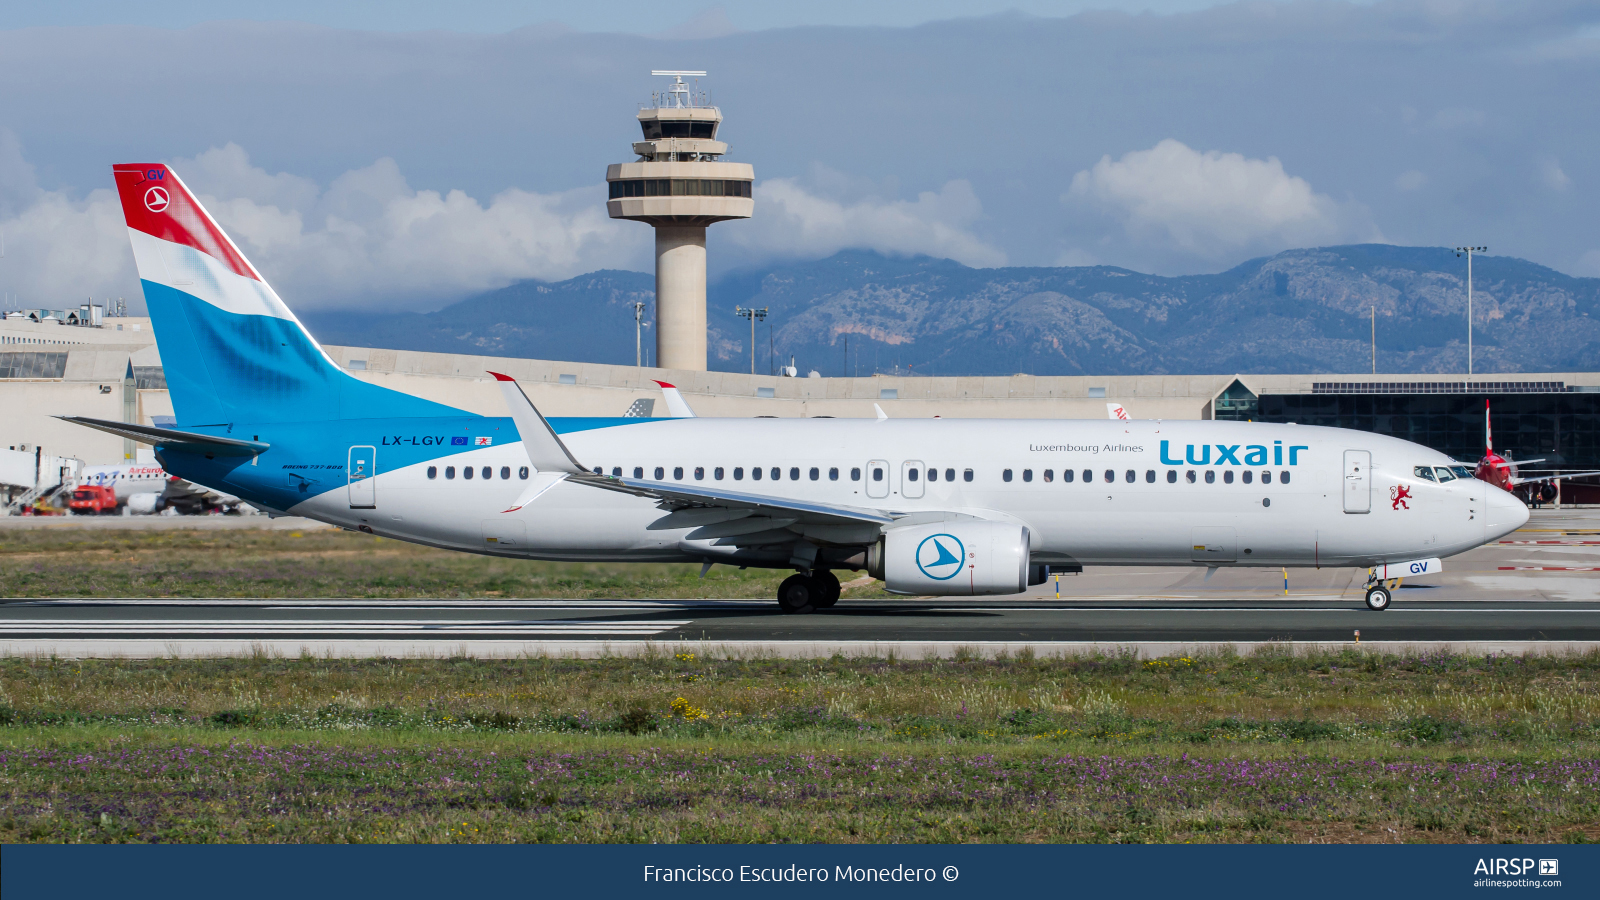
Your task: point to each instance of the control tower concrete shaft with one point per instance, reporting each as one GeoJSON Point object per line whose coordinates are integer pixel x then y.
{"type": "Point", "coordinates": [678, 186]}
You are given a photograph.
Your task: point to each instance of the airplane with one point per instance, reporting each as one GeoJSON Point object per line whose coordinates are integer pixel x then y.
{"type": "Point", "coordinates": [144, 489]}
{"type": "Point", "coordinates": [1504, 474]}
{"type": "Point", "coordinates": [932, 507]}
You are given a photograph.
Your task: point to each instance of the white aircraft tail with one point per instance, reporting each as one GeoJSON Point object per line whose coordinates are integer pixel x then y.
{"type": "Point", "coordinates": [677, 408]}
{"type": "Point", "coordinates": [1115, 411]}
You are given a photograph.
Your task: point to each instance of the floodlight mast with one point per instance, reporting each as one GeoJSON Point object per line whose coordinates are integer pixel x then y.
{"type": "Point", "coordinates": [1467, 252]}
{"type": "Point", "coordinates": [754, 315]}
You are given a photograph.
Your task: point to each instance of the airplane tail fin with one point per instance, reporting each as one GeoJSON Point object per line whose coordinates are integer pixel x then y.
{"type": "Point", "coordinates": [232, 351]}
{"type": "Point", "coordinates": [1115, 411]}
{"type": "Point", "coordinates": [1488, 433]}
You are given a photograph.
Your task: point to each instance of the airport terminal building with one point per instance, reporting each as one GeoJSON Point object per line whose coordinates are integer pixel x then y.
{"type": "Point", "coordinates": [114, 371]}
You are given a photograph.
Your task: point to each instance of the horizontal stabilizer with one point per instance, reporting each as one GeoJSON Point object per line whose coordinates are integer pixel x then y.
{"type": "Point", "coordinates": [188, 441]}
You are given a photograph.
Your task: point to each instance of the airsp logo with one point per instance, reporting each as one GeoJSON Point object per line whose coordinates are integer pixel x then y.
{"type": "Point", "coordinates": [939, 556]}
{"type": "Point", "coordinates": [156, 199]}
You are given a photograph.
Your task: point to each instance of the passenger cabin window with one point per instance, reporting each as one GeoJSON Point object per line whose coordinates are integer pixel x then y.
{"type": "Point", "coordinates": [755, 473]}
{"type": "Point", "coordinates": [1245, 476]}
{"type": "Point", "coordinates": [815, 473]}
{"type": "Point", "coordinates": [466, 472]}
{"type": "Point", "coordinates": [1266, 477]}
{"type": "Point", "coordinates": [523, 473]}
{"type": "Point", "coordinates": [949, 474]}
{"type": "Point", "coordinates": [1129, 476]}
{"type": "Point", "coordinates": [1211, 477]}
{"type": "Point", "coordinates": [1227, 476]}
{"type": "Point", "coordinates": [1149, 476]}
{"type": "Point", "coordinates": [433, 472]}
{"type": "Point", "coordinates": [1006, 475]}
{"type": "Point", "coordinates": [450, 472]}
{"type": "Point", "coordinates": [877, 473]}
{"type": "Point", "coordinates": [777, 473]}
{"type": "Point", "coordinates": [1424, 472]}
{"type": "Point", "coordinates": [855, 474]}
{"type": "Point", "coordinates": [1049, 476]}
{"type": "Point", "coordinates": [677, 473]}
{"type": "Point", "coordinates": [717, 473]}
{"type": "Point", "coordinates": [1110, 476]}
{"type": "Point", "coordinates": [833, 473]}
{"type": "Point", "coordinates": [1027, 474]}
{"type": "Point", "coordinates": [660, 473]}
{"type": "Point", "coordinates": [1088, 475]}
{"type": "Point", "coordinates": [1172, 476]}
{"type": "Point", "coordinates": [638, 471]}
{"type": "Point", "coordinates": [488, 473]}
{"type": "Point", "coordinates": [1283, 477]}
{"type": "Point", "coordinates": [966, 475]}
{"type": "Point", "coordinates": [699, 473]}
{"type": "Point", "coordinates": [505, 473]}
{"type": "Point", "coordinates": [794, 474]}
{"type": "Point", "coordinates": [1189, 475]}
{"type": "Point", "coordinates": [911, 474]}
{"type": "Point", "coordinates": [933, 474]}
{"type": "Point", "coordinates": [1067, 476]}
{"type": "Point", "coordinates": [598, 471]}
{"type": "Point", "coordinates": [738, 473]}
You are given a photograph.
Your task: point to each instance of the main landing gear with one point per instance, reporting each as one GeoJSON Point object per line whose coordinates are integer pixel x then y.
{"type": "Point", "coordinates": [804, 593]}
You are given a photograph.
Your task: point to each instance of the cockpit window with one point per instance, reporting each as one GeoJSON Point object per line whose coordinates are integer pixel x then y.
{"type": "Point", "coordinates": [1462, 471]}
{"type": "Point", "coordinates": [1424, 472]}
{"type": "Point", "coordinates": [1444, 473]}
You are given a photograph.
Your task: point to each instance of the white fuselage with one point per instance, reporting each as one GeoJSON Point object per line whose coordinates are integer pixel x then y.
{"type": "Point", "coordinates": [1302, 505]}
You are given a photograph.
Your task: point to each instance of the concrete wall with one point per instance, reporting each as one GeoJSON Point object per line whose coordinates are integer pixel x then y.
{"type": "Point", "coordinates": [463, 381]}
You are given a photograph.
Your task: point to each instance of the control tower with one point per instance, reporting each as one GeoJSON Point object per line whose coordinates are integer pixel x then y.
{"type": "Point", "coordinates": [678, 186]}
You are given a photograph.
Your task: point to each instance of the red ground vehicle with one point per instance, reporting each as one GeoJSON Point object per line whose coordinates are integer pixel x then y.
{"type": "Point", "coordinates": [93, 499]}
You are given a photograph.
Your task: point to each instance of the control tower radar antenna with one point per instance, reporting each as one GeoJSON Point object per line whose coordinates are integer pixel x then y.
{"type": "Point", "coordinates": [678, 184]}
{"type": "Point", "coordinates": [679, 92]}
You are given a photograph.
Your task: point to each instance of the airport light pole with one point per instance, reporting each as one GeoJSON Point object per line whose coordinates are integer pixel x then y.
{"type": "Point", "coordinates": [1467, 252]}
{"type": "Point", "coordinates": [638, 333]}
{"type": "Point", "coordinates": [753, 315]}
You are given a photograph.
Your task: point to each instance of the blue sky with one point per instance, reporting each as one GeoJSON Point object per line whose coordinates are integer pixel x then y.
{"type": "Point", "coordinates": [390, 154]}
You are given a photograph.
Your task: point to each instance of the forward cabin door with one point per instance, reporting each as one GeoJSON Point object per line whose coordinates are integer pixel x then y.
{"type": "Point", "coordinates": [877, 475]}
{"type": "Point", "coordinates": [1357, 481]}
{"type": "Point", "coordinates": [362, 466]}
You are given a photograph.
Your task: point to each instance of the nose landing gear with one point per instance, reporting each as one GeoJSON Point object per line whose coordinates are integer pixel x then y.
{"type": "Point", "coordinates": [804, 593]}
{"type": "Point", "coordinates": [1378, 597]}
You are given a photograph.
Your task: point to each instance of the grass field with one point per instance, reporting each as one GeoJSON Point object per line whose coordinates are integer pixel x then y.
{"type": "Point", "coordinates": [331, 563]}
{"type": "Point", "coordinates": [675, 747]}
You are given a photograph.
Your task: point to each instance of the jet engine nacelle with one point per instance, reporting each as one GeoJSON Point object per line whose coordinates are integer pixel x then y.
{"type": "Point", "coordinates": [949, 559]}
{"type": "Point", "coordinates": [143, 504]}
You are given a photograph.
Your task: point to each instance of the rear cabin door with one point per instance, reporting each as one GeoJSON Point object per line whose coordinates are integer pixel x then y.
{"type": "Point", "coordinates": [362, 466]}
{"type": "Point", "coordinates": [877, 478]}
{"type": "Point", "coordinates": [1357, 481]}
{"type": "Point", "coordinates": [911, 478]}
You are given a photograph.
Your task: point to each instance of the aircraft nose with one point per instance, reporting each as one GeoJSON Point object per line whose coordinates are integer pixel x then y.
{"type": "Point", "coordinates": [1504, 513]}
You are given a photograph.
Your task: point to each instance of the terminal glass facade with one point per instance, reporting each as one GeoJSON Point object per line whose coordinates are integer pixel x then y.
{"type": "Point", "coordinates": [1560, 427]}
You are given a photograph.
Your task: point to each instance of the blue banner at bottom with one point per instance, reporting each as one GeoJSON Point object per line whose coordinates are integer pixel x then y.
{"type": "Point", "coordinates": [676, 870]}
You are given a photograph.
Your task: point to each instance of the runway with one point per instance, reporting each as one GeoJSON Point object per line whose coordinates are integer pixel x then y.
{"type": "Point", "coordinates": [1536, 591]}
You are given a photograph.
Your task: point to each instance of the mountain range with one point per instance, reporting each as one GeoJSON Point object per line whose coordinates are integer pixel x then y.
{"type": "Point", "coordinates": [860, 312]}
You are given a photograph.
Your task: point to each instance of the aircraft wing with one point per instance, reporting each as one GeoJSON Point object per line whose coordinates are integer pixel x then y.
{"type": "Point", "coordinates": [1517, 482]}
{"type": "Point", "coordinates": [555, 462]}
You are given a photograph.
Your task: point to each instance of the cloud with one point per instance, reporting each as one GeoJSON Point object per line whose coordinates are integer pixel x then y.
{"type": "Point", "coordinates": [1410, 180]}
{"type": "Point", "coordinates": [1211, 206]}
{"type": "Point", "coordinates": [807, 221]}
{"type": "Point", "coordinates": [368, 239]}
{"type": "Point", "coordinates": [1552, 176]}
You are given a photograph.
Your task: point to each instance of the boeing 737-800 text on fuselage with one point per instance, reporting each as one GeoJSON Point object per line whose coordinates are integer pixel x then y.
{"type": "Point", "coordinates": [931, 506]}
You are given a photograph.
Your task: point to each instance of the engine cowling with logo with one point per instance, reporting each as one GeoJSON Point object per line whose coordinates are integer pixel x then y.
{"type": "Point", "coordinates": [953, 559]}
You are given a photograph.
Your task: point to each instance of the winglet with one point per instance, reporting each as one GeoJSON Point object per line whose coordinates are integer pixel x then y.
{"type": "Point", "coordinates": [677, 407]}
{"type": "Point", "coordinates": [544, 448]}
